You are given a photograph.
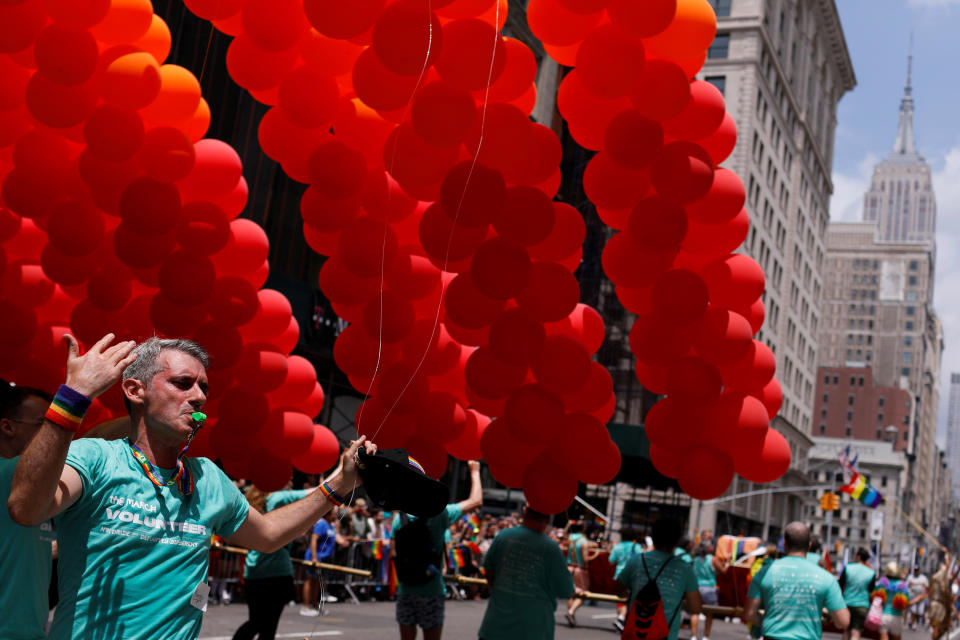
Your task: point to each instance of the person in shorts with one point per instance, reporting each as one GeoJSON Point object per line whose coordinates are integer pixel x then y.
{"type": "Point", "coordinates": [705, 567]}
{"type": "Point", "coordinates": [918, 586]}
{"type": "Point", "coordinates": [857, 581]}
{"type": "Point", "coordinates": [896, 597]}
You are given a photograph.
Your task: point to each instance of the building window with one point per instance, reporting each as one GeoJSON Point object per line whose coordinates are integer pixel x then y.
{"type": "Point", "coordinates": [826, 379]}
{"type": "Point", "coordinates": [721, 7]}
{"type": "Point", "coordinates": [879, 434]}
{"type": "Point", "coordinates": [848, 430]}
{"type": "Point", "coordinates": [835, 383]}
{"type": "Point", "coordinates": [823, 428]}
{"type": "Point", "coordinates": [860, 380]}
{"type": "Point", "coordinates": [908, 341]}
{"type": "Point", "coordinates": [720, 82]}
{"type": "Point", "coordinates": [881, 400]}
{"type": "Point", "coordinates": [908, 356]}
{"type": "Point", "coordinates": [911, 295]}
{"type": "Point", "coordinates": [909, 325]}
{"type": "Point", "coordinates": [823, 413]}
{"type": "Point", "coordinates": [883, 481]}
{"type": "Point", "coordinates": [911, 311]}
{"type": "Point", "coordinates": [826, 397]}
{"type": "Point", "coordinates": [905, 371]}
{"type": "Point", "coordinates": [879, 418]}
{"type": "Point", "coordinates": [913, 263]}
{"type": "Point", "coordinates": [720, 48]}
{"type": "Point", "coordinates": [912, 280]}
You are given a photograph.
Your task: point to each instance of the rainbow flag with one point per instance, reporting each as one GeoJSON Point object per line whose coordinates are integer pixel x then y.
{"type": "Point", "coordinates": [378, 549]}
{"type": "Point", "coordinates": [473, 521]}
{"type": "Point", "coordinates": [456, 558]}
{"type": "Point", "coordinates": [861, 490]}
{"type": "Point", "coordinates": [473, 546]}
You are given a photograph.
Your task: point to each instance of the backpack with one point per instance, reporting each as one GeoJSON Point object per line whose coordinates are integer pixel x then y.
{"type": "Point", "coordinates": [417, 561]}
{"type": "Point", "coordinates": [646, 619]}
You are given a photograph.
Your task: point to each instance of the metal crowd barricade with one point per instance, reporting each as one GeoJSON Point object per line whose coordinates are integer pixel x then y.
{"type": "Point", "coordinates": [371, 556]}
{"type": "Point", "coordinates": [224, 572]}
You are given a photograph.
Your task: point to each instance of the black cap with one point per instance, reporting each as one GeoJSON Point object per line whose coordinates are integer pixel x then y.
{"type": "Point", "coordinates": [395, 481]}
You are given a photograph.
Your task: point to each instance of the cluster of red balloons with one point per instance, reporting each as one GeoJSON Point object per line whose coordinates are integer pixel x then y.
{"type": "Point", "coordinates": [117, 216]}
{"type": "Point", "coordinates": [431, 194]}
{"type": "Point", "coordinates": [659, 138]}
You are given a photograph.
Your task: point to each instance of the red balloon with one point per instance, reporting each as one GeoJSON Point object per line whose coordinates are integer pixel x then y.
{"type": "Point", "coordinates": [359, 355]}
{"type": "Point", "coordinates": [287, 433]}
{"type": "Point", "coordinates": [633, 140]}
{"type": "Point", "coordinates": [430, 343]}
{"type": "Point", "coordinates": [203, 228]}
{"type": "Point", "coordinates": [693, 379]}
{"type": "Point", "coordinates": [126, 20]}
{"type": "Point", "coordinates": [652, 377]}
{"type": "Point", "coordinates": [496, 137]}
{"type": "Point", "coordinates": [642, 20]}
{"type": "Point", "coordinates": [246, 250]}
{"type": "Point", "coordinates": [610, 62]}
{"type": "Point", "coordinates": [755, 314]}
{"type": "Point", "coordinates": [657, 225]}
{"type": "Point", "coordinates": [675, 424]}
{"type": "Point", "coordinates": [721, 143]}
{"type": "Point", "coordinates": [442, 114]}
{"type": "Point", "coordinates": [516, 337]}
{"type": "Point", "coordinates": [722, 336]}
{"type": "Point", "coordinates": [65, 55]}
{"type": "Point", "coordinates": [737, 419]}
{"type": "Point", "coordinates": [308, 98]}
{"type": "Point", "coordinates": [467, 306]}
{"type": "Point", "coordinates": [388, 430]}
{"type": "Point", "coordinates": [187, 279]}
{"type": "Point", "coordinates": [59, 106]}
{"type": "Point", "coordinates": [413, 277]}
{"type": "Point", "coordinates": [216, 172]}
{"type": "Point", "coordinates": [548, 489]}
{"type": "Point", "coordinates": [27, 284]}
{"type": "Point", "coordinates": [593, 394]}
{"type": "Point", "coordinates": [274, 25]}
{"type": "Point", "coordinates": [172, 320]}
{"type": "Point", "coordinates": [108, 290]}
{"type": "Point", "coordinates": [668, 462]}
{"type": "Point", "coordinates": [261, 368]}
{"type": "Point", "coordinates": [563, 365]}
{"type": "Point", "coordinates": [532, 413]}
{"type": "Point", "coordinates": [468, 47]}
{"type": "Point", "coordinates": [321, 455]}
{"type": "Point", "coordinates": [167, 154]}
{"type": "Point", "coordinates": [765, 463]}
{"type": "Point", "coordinates": [554, 23]}
{"type": "Point", "coordinates": [636, 299]}
{"type": "Point", "coordinates": [388, 317]}
{"type": "Point", "coordinates": [603, 469]}
{"type": "Point", "coordinates": [771, 395]}
{"type": "Point", "coordinates": [75, 228]}
{"type": "Point", "coordinates": [707, 472]}
{"type": "Point", "coordinates": [611, 186]}
{"type": "Point", "coordinates": [431, 455]}
{"type": "Point", "coordinates": [343, 287]}
{"type": "Point", "coordinates": [401, 387]}
{"type": "Point", "coordinates": [734, 281]}
{"type": "Point", "coordinates": [367, 246]}
{"type": "Point", "coordinates": [414, 163]}
{"type": "Point", "coordinates": [527, 217]}
{"type": "Point", "coordinates": [502, 449]}
{"type": "Point", "coordinates": [679, 295]}
{"type": "Point", "coordinates": [489, 377]}
{"type": "Point", "coordinates": [442, 418]}
{"type": "Point", "coordinates": [336, 20]}
{"type": "Point", "coordinates": [378, 87]}
{"type": "Point", "coordinates": [89, 324]}
{"type": "Point", "coordinates": [114, 133]}
{"type": "Point", "coordinates": [565, 239]}
{"type": "Point", "coordinates": [500, 269]}
{"type": "Point", "coordinates": [702, 115]}
{"type": "Point", "coordinates": [150, 207]}
{"type": "Point", "coordinates": [657, 340]}
{"type": "Point", "coordinates": [580, 439]}
{"type": "Point", "coordinates": [406, 38]}
{"type": "Point", "coordinates": [682, 173]}
{"type": "Point", "coordinates": [447, 244]}
{"type": "Point", "coordinates": [751, 371]}
{"type": "Point", "coordinates": [717, 240]}
{"type": "Point", "coordinates": [663, 89]}
{"type": "Point", "coordinates": [551, 293]}
{"type": "Point", "coordinates": [587, 115]}
{"type": "Point", "coordinates": [467, 445]}
{"type": "Point", "coordinates": [272, 317]}
{"type": "Point", "coordinates": [519, 73]}
{"type": "Point", "coordinates": [627, 264]}
{"type": "Point", "coordinates": [233, 301]}
{"type": "Point", "coordinates": [131, 81]}
{"type": "Point", "coordinates": [722, 203]}
{"type": "Point", "coordinates": [537, 163]}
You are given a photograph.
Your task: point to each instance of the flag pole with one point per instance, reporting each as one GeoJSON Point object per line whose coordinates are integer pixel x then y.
{"type": "Point", "coordinates": [919, 528]}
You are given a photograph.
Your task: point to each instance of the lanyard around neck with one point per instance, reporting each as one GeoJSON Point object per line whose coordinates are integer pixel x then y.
{"type": "Point", "coordinates": [182, 476]}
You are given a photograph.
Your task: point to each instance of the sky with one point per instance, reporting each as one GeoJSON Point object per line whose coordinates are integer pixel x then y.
{"type": "Point", "coordinates": [878, 37]}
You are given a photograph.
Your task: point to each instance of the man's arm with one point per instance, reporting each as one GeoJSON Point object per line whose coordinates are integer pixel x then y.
{"type": "Point", "coordinates": [42, 485]}
{"type": "Point", "coordinates": [751, 611]}
{"type": "Point", "coordinates": [591, 551]}
{"type": "Point", "coordinates": [476, 491]}
{"type": "Point", "coordinates": [313, 546]}
{"type": "Point", "coordinates": [841, 618]}
{"type": "Point", "coordinates": [268, 532]}
{"type": "Point", "coordinates": [692, 602]}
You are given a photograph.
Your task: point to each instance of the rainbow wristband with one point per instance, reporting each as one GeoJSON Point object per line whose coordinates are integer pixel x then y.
{"type": "Point", "coordinates": [331, 495]}
{"type": "Point", "coordinates": [68, 408]}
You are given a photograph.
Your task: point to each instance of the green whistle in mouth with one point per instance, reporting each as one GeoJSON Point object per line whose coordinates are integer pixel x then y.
{"type": "Point", "coordinates": [198, 417]}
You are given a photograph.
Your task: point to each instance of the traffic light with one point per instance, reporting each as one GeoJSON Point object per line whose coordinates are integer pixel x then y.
{"type": "Point", "coordinates": [829, 502]}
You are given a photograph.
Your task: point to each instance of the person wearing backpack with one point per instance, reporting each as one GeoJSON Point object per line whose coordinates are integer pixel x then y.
{"type": "Point", "coordinates": [794, 591]}
{"type": "Point", "coordinates": [417, 551]}
{"type": "Point", "coordinates": [660, 583]}
{"type": "Point", "coordinates": [527, 573]}
{"type": "Point", "coordinates": [857, 581]}
{"type": "Point", "coordinates": [621, 553]}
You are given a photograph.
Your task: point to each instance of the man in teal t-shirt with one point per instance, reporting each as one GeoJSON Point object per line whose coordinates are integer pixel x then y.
{"type": "Point", "coordinates": [619, 556]}
{"type": "Point", "coordinates": [134, 518]}
{"type": "Point", "coordinates": [527, 573]}
{"type": "Point", "coordinates": [25, 552]}
{"type": "Point", "coordinates": [676, 581]}
{"type": "Point", "coordinates": [857, 581]}
{"type": "Point", "coordinates": [794, 591]}
{"type": "Point", "coordinates": [422, 605]}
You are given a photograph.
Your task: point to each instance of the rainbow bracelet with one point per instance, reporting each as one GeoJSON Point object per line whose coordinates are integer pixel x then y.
{"type": "Point", "coordinates": [331, 495]}
{"type": "Point", "coordinates": [68, 408]}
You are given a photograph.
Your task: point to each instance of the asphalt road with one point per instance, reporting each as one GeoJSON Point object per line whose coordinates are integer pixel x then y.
{"type": "Point", "coordinates": [375, 621]}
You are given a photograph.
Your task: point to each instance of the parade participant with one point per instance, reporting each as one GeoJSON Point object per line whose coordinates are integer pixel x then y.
{"type": "Point", "coordinates": [815, 553]}
{"type": "Point", "coordinates": [422, 605]}
{"type": "Point", "coordinates": [25, 552]}
{"type": "Point", "coordinates": [941, 601]}
{"type": "Point", "coordinates": [621, 553]}
{"type": "Point", "coordinates": [706, 566]}
{"type": "Point", "coordinates": [683, 549]}
{"type": "Point", "coordinates": [267, 577]}
{"type": "Point", "coordinates": [794, 591]}
{"type": "Point", "coordinates": [857, 581]}
{"type": "Point", "coordinates": [674, 578]}
{"type": "Point", "coordinates": [323, 541]}
{"type": "Point", "coordinates": [526, 572]}
{"type": "Point", "coordinates": [917, 585]}
{"type": "Point", "coordinates": [135, 518]}
{"type": "Point", "coordinates": [896, 599]}
{"type": "Point", "coordinates": [580, 551]}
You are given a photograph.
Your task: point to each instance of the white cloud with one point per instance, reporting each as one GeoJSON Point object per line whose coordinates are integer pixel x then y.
{"type": "Point", "coordinates": [946, 183]}
{"type": "Point", "coordinates": [846, 203]}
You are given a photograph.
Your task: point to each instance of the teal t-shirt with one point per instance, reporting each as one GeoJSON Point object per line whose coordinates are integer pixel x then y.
{"type": "Point", "coordinates": [683, 555]}
{"type": "Point", "coordinates": [26, 561]}
{"type": "Point", "coordinates": [893, 587]}
{"type": "Point", "coordinates": [857, 584]}
{"type": "Point", "coordinates": [268, 565]}
{"type": "Point", "coordinates": [676, 580]}
{"type": "Point", "coordinates": [131, 553]}
{"type": "Point", "coordinates": [529, 573]}
{"type": "Point", "coordinates": [621, 553]}
{"type": "Point", "coordinates": [438, 525]}
{"type": "Point", "coordinates": [794, 591]}
{"type": "Point", "coordinates": [814, 557]}
{"type": "Point", "coordinates": [703, 569]}
{"type": "Point", "coordinates": [575, 548]}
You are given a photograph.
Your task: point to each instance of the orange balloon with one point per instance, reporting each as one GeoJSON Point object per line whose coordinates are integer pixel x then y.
{"type": "Point", "coordinates": [178, 99]}
{"type": "Point", "coordinates": [690, 33]}
{"type": "Point", "coordinates": [196, 127]}
{"type": "Point", "coordinates": [156, 41]}
{"type": "Point", "coordinates": [126, 21]}
{"type": "Point", "coordinates": [554, 24]}
{"type": "Point", "coordinates": [132, 81]}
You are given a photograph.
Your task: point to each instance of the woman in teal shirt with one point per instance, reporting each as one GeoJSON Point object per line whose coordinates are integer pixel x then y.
{"type": "Point", "coordinates": [705, 567]}
{"type": "Point", "coordinates": [895, 597]}
{"type": "Point", "coordinates": [267, 577]}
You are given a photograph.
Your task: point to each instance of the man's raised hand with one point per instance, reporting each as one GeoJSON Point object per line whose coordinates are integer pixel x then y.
{"type": "Point", "coordinates": [99, 368]}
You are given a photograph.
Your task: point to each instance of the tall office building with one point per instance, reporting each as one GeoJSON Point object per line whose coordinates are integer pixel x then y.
{"type": "Point", "coordinates": [953, 433]}
{"type": "Point", "coordinates": [783, 67]}
{"type": "Point", "coordinates": [878, 301]}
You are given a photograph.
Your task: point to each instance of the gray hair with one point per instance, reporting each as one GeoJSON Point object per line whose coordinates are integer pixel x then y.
{"type": "Point", "coordinates": [147, 365]}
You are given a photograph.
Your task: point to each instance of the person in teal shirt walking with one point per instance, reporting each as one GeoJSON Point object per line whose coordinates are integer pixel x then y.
{"type": "Point", "coordinates": [857, 580]}
{"type": "Point", "coordinates": [794, 591]}
{"type": "Point", "coordinates": [267, 577]}
{"type": "Point", "coordinates": [527, 573]}
{"type": "Point", "coordinates": [896, 599]}
{"type": "Point", "coordinates": [619, 556]}
{"type": "Point", "coordinates": [705, 567]}
{"type": "Point", "coordinates": [134, 517]}
{"type": "Point", "coordinates": [25, 552]}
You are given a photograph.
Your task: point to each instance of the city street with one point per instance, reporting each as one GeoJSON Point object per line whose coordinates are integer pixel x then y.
{"type": "Point", "coordinates": [375, 620]}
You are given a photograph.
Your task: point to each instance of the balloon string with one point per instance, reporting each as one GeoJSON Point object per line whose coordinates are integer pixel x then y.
{"type": "Point", "coordinates": [383, 243]}
{"type": "Point", "coordinates": [206, 53]}
{"type": "Point", "coordinates": [456, 216]}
